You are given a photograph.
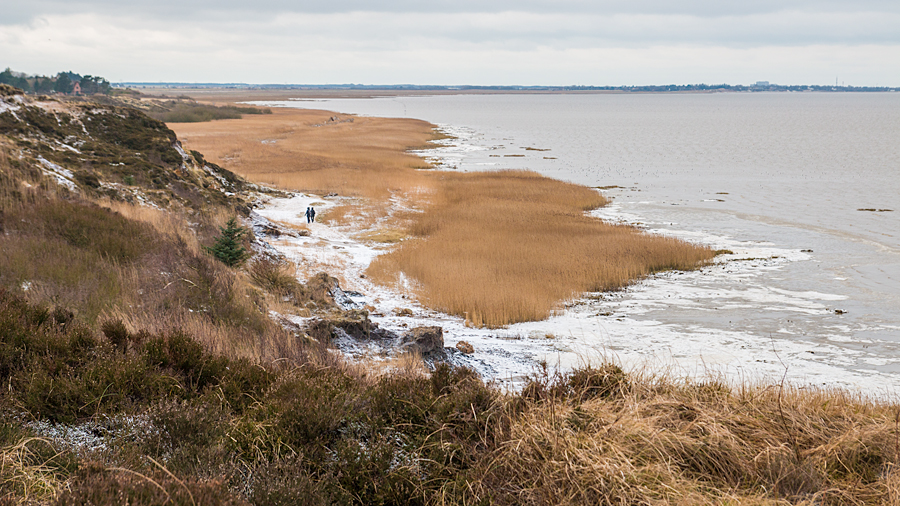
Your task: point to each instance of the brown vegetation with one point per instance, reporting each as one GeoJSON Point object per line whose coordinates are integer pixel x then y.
{"type": "Point", "coordinates": [501, 247]}
{"type": "Point", "coordinates": [142, 266]}
{"type": "Point", "coordinates": [137, 370]}
{"type": "Point", "coordinates": [599, 436]}
{"type": "Point", "coordinates": [174, 423]}
{"type": "Point", "coordinates": [506, 247]}
{"type": "Point", "coordinates": [307, 150]}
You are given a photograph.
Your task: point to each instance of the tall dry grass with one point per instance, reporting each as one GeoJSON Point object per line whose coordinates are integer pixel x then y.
{"type": "Point", "coordinates": [304, 150]}
{"type": "Point", "coordinates": [497, 247]}
{"type": "Point", "coordinates": [28, 471]}
{"type": "Point", "coordinates": [231, 320]}
{"type": "Point", "coordinates": [600, 437]}
{"type": "Point", "coordinates": [167, 223]}
{"type": "Point", "coordinates": [505, 247]}
{"type": "Point", "coordinates": [143, 266]}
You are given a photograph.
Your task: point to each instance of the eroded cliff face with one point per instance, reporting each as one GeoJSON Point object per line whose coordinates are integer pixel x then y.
{"type": "Point", "coordinates": [108, 150]}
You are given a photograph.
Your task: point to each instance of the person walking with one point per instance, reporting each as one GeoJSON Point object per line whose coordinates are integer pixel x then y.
{"type": "Point", "coordinates": [308, 214]}
{"type": "Point", "coordinates": [312, 214]}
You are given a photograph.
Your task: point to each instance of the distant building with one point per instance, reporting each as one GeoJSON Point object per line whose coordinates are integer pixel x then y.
{"type": "Point", "coordinates": [76, 89]}
{"type": "Point", "coordinates": [761, 84]}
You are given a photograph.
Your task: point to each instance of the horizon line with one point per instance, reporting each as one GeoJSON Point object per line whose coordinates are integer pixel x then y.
{"type": "Point", "coordinates": [759, 85]}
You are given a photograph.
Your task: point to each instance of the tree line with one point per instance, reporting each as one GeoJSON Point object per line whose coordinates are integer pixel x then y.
{"type": "Point", "coordinates": [63, 82]}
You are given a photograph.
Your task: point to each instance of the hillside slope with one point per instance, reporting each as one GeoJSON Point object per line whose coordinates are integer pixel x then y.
{"type": "Point", "coordinates": [110, 151]}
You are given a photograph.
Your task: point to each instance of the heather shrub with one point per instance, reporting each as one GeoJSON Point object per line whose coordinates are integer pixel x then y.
{"type": "Point", "coordinates": [312, 405]}
{"type": "Point", "coordinates": [288, 481]}
{"type": "Point", "coordinates": [116, 332]}
{"type": "Point", "coordinates": [588, 382]}
{"type": "Point", "coordinates": [97, 485]}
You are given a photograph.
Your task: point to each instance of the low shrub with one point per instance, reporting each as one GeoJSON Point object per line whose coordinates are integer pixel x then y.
{"type": "Point", "coordinates": [64, 373]}
{"type": "Point", "coordinates": [97, 485]}
{"type": "Point", "coordinates": [276, 277]}
{"type": "Point", "coordinates": [198, 113]}
{"type": "Point", "coordinates": [288, 481]}
{"type": "Point", "coordinates": [330, 399]}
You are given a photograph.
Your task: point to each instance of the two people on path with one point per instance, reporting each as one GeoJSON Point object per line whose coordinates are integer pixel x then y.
{"type": "Point", "coordinates": [310, 214]}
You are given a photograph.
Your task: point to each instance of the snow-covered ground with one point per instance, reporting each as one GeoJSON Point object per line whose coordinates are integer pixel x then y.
{"type": "Point", "coordinates": [616, 325]}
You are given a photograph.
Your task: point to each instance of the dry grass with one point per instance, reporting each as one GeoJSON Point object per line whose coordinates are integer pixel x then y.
{"type": "Point", "coordinates": [167, 223]}
{"type": "Point", "coordinates": [29, 471]}
{"type": "Point", "coordinates": [505, 247]}
{"type": "Point", "coordinates": [345, 215]}
{"type": "Point", "coordinates": [499, 247]}
{"type": "Point", "coordinates": [141, 300]}
{"type": "Point", "coordinates": [604, 438]}
{"type": "Point", "coordinates": [383, 235]}
{"type": "Point", "coordinates": [406, 365]}
{"type": "Point", "coordinates": [304, 150]}
{"type": "Point", "coordinates": [138, 265]}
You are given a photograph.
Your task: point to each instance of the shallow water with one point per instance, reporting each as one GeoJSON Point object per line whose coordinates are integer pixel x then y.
{"type": "Point", "coordinates": [778, 178]}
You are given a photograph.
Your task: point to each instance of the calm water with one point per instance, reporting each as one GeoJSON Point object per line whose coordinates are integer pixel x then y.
{"type": "Point", "coordinates": [778, 178]}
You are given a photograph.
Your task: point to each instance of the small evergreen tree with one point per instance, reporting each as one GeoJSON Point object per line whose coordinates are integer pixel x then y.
{"type": "Point", "coordinates": [228, 248]}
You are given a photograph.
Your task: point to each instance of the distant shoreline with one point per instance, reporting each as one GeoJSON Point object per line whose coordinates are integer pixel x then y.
{"type": "Point", "coordinates": [244, 92]}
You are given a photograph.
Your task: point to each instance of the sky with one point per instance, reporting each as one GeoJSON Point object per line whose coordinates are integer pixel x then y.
{"type": "Point", "coordinates": [456, 42]}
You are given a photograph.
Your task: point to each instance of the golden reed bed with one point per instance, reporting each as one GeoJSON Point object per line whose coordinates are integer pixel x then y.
{"type": "Point", "coordinates": [498, 247]}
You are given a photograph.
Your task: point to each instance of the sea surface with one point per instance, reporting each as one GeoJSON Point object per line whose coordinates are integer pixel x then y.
{"type": "Point", "coordinates": [803, 188]}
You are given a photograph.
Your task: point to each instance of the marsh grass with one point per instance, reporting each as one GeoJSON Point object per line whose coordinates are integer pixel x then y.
{"type": "Point", "coordinates": [363, 158]}
{"type": "Point", "coordinates": [192, 112]}
{"type": "Point", "coordinates": [505, 247]}
{"type": "Point", "coordinates": [383, 236]}
{"type": "Point", "coordinates": [500, 247]}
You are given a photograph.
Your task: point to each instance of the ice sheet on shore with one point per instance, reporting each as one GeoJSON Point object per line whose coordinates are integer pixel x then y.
{"type": "Point", "coordinates": [747, 331]}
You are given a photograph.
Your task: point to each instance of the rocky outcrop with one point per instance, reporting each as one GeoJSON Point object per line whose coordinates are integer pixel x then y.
{"type": "Point", "coordinates": [326, 290]}
{"type": "Point", "coordinates": [424, 340]}
{"type": "Point", "coordinates": [354, 323]}
{"type": "Point", "coordinates": [465, 347]}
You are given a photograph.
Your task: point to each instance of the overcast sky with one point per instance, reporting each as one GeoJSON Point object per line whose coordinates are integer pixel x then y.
{"type": "Point", "coordinates": [488, 42]}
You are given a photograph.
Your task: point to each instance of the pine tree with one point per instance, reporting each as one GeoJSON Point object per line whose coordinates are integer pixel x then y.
{"type": "Point", "coordinates": [228, 247]}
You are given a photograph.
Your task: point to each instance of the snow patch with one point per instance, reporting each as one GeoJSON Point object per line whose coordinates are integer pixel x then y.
{"type": "Point", "coordinates": [184, 156]}
{"type": "Point", "coordinates": [62, 175]}
{"type": "Point", "coordinates": [94, 436]}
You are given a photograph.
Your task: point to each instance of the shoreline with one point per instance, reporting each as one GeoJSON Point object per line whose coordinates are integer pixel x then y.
{"type": "Point", "coordinates": [584, 330]}
{"type": "Point", "coordinates": [809, 302]}
{"type": "Point", "coordinates": [147, 368]}
{"type": "Point", "coordinates": [593, 328]}
{"type": "Point", "coordinates": [237, 95]}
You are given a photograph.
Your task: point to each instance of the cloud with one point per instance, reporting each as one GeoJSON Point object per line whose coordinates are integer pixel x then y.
{"type": "Point", "coordinates": [464, 41]}
{"type": "Point", "coordinates": [227, 8]}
